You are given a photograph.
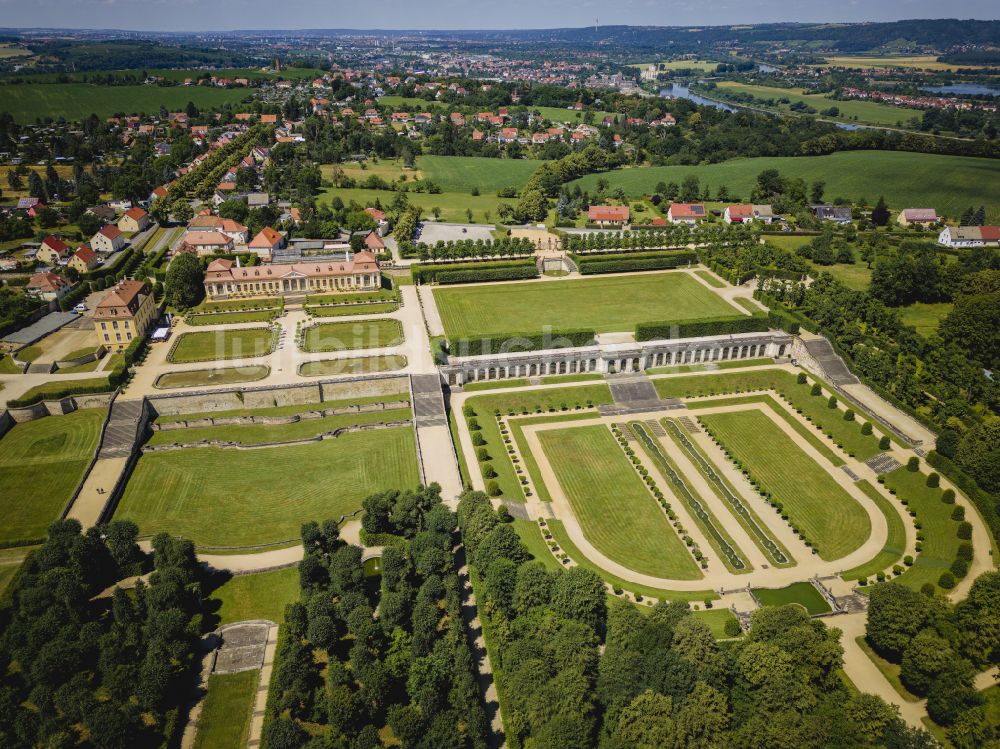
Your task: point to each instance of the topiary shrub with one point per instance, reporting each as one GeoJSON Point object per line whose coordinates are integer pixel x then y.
{"type": "Point", "coordinates": [504, 514]}
{"type": "Point", "coordinates": [908, 560]}
{"type": "Point", "coordinates": [883, 444]}
{"type": "Point", "coordinates": [947, 580]}
{"type": "Point", "coordinates": [958, 513]}
{"type": "Point", "coordinates": [482, 455]}
{"type": "Point", "coordinates": [959, 568]}
{"type": "Point", "coordinates": [866, 428]}
{"type": "Point", "coordinates": [849, 415]}
{"type": "Point", "coordinates": [964, 551]}
{"type": "Point", "coordinates": [493, 488]}
{"type": "Point", "coordinates": [489, 472]}
{"type": "Point", "coordinates": [478, 439]}
{"type": "Point", "coordinates": [832, 403]}
{"type": "Point", "coordinates": [801, 379]}
{"type": "Point", "coordinates": [927, 589]}
{"type": "Point", "coordinates": [474, 425]}
{"type": "Point", "coordinates": [816, 390]}
{"type": "Point", "coordinates": [913, 464]}
{"type": "Point", "coordinates": [965, 531]}
{"type": "Point", "coordinates": [933, 480]}
{"type": "Point", "coordinates": [732, 627]}
{"type": "Point", "coordinates": [948, 496]}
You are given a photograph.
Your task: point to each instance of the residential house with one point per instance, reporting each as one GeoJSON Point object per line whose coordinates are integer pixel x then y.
{"type": "Point", "coordinates": [608, 215]}
{"type": "Point", "coordinates": [232, 229]}
{"type": "Point", "coordinates": [837, 214]}
{"type": "Point", "coordinates": [53, 251]}
{"type": "Point", "coordinates": [359, 272]}
{"type": "Point", "coordinates": [269, 119]}
{"type": "Point", "coordinates": [104, 212]}
{"type": "Point", "coordinates": [208, 242]}
{"type": "Point", "coordinates": [125, 313]}
{"type": "Point", "coordinates": [134, 220]}
{"type": "Point", "coordinates": [48, 286]}
{"type": "Point", "coordinates": [763, 213]}
{"type": "Point", "coordinates": [969, 236]}
{"type": "Point", "coordinates": [686, 213]}
{"type": "Point", "coordinates": [267, 242]}
{"type": "Point", "coordinates": [917, 216]}
{"type": "Point", "coordinates": [108, 239]}
{"type": "Point", "coordinates": [258, 199]}
{"type": "Point", "coordinates": [83, 260]}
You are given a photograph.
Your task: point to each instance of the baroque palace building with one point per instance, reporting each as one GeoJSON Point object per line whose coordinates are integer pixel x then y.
{"type": "Point", "coordinates": [224, 279]}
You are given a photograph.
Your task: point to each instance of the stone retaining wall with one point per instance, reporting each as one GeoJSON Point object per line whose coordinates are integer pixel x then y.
{"type": "Point", "coordinates": [228, 421]}
{"type": "Point", "coordinates": [280, 443]}
{"type": "Point", "coordinates": [79, 360]}
{"type": "Point", "coordinates": [60, 407]}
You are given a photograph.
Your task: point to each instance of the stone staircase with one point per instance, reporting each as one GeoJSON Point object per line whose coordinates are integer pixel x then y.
{"type": "Point", "coordinates": [40, 368]}
{"type": "Point", "coordinates": [833, 367]}
{"type": "Point", "coordinates": [428, 401]}
{"type": "Point", "coordinates": [122, 435]}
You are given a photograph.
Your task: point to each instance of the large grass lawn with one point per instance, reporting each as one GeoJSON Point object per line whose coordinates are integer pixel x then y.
{"type": "Point", "coordinates": [202, 377]}
{"type": "Point", "coordinates": [453, 205]}
{"type": "Point", "coordinates": [925, 317]}
{"type": "Point", "coordinates": [361, 365]}
{"type": "Point", "coordinates": [209, 345]}
{"type": "Point", "coordinates": [872, 112]}
{"type": "Point", "coordinates": [817, 505]}
{"type": "Point", "coordinates": [604, 304]}
{"type": "Point", "coordinates": [260, 596]}
{"type": "Point", "coordinates": [895, 543]}
{"type": "Point", "coordinates": [341, 336]}
{"type": "Point", "coordinates": [225, 716]}
{"type": "Point", "coordinates": [74, 101]}
{"type": "Point", "coordinates": [226, 497]}
{"type": "Point", "coordinates": [615, 510]}
{"type": "Point", "coordinates": [41, 462]}
{"type": "Point", "coordinates": [804, 594]}
{"type": "Point", "coordinates": [857, 275]}
{"type": "Point", "coordinates": [949, 183]}
{"type": "Point", "coordinates": [463, 173]}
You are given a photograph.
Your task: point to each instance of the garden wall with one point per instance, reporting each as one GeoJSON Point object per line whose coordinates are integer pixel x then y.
{"type": "Point", "coordinates": [59, 407]}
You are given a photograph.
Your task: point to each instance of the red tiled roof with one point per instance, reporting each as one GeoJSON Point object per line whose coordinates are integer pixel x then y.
{"type": "Point", "coordinates": [608, 213]}
{"type": "Point", "coordinates": [740, 211]}
{"type": "Point", "coordinates": [135, 213]}
{"type": "Point", "coordinates": [687, 210]}
{"type": "Point", "coordinates": [990, 233]}
{"type": "Point", "coordinates": [266, 237]}
{"type": "Point", "coordinates": [110, 231]}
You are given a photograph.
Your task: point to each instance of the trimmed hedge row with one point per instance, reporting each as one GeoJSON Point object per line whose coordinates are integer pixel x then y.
{"type": "Point", "coordinates": [469, 272]}
{"type": "Point", "coordinates": [987, 504]}
{"type": "Point", "coordinates": [592, 264]}
{"type": "Point", "coordinates": [521, 342]}
{"type": "Point", "coordinates": [706, 326]}
{"type": "Point", "coordinates": [736, 279]}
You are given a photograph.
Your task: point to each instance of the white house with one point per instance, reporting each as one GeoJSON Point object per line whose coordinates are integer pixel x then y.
{"type": "Point", "coordinates": [107, 240]}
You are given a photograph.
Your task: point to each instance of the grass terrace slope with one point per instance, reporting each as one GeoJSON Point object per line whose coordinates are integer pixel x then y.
{"type": "Point", "coordinates": [40, 464]}
{"type": "Point", "coordinates": [229, 497]}
{"type": "Point", "coordinates": [816, 504]}
{"type": "Point", "coordinates": [601, 304]}
{"type": "Point", "coordinates": [948, 183]}
{"type": "Point", "coordinates": [616, 511]}
{"type": "Point", "coordinates": [74, 101]}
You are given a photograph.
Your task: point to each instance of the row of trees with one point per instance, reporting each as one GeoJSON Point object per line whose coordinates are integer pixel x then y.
{"type": "Point", "coordinates": [574, 671]}
{"type": "Point", "coordinates": [473, 248]}
{"type": "Point", "coordinates": [109, 672]}
{"type": "Point", "coordinates": [407, 671]}
{"type": "Point", "coordinates": [672, 235]}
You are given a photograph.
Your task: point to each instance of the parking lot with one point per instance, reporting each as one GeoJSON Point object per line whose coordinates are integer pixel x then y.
{"type": "Point", "coordinates": [432, 232]}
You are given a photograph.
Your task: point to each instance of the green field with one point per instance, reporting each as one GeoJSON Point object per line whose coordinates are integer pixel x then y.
{"type": "Point", "coordinates": [857, 276]}
{"type": "Point", "coordinates": [41, 463]}
{"type": "Point", "coordinates": [463, 173]}
{"type": "Point", "coordinates": [231, 318]}
{"type": "Point", "coordinates": [74, 101]}
{"type": "Point", "coordinates": [925, 317]}
{"type": "Point", "coordinates": [226, 713]}
{"type": "Point", "coordinates": [907, 180]}
{"type": "Point", "coordinates": [804, 594]}
{"type": "Point", "coordinates": [260, 596]}
{"type": "Point", "coordinates": [895, 544]}
{"type": "Point", "coordinates": [346, 310]}
{"type": "Point", "coordinates": [925, 62]}
{"type": "Point", "coordinates": [287, 410]}
{"type": "Point", "coordinates": [226, 497]}
{"type": "Point", "coordinates": [202, 377]}
{"type": "Point", "coordinates": [359, 365]}
{"type": "Point", "coordinates": [604, 304]}
{"type": "Point", "coordinates": [210, 345]}
{"type": "Point", "coordinates": [453, 205]}
{"type": "Point", "coordinates": [615, 510]}
{"type": "Point", "coordinates": [341, 336]}
{"type": "Point", "coordinates": [570, 116]}
{"type": "Point", "coordinates": [857, 110]}
{"type": "Point", "coordinates": [816, 504]}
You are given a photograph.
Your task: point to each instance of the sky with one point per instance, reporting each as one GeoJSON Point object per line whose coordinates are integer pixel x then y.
{"type": "Point", "coordinates": [224, 15]}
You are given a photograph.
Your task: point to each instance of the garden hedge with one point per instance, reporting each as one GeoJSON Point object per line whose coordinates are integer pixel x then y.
{"type": "Point", "coordinates": [707, 326]}
{"type": "Point", "coordinates": [521, 342]}
{"type": "Point", "coordinates": [470, 272]}
{"type": "Point", "coordinates": [623, 263]}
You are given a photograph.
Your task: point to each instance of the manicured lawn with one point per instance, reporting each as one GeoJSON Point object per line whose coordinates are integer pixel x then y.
{"type": "Point", "coordinates": [816, 504]}
{"type": "Point", "coordinates": [613, 506]}
{"type": "Point", "coordinates": [41, 463]}
{"type": "Point", "coordinates": [360, 365]}
{"type": "Point", "coordinates": [453, 205]}
{"type": "Point", "coordinates": [260, 596]}
{"type": "Point", "coordinates": [527, 401]}
{"type": "Point", "coordinates": [531, 536]}
{"type": "Point", "coordinates": [202, 377]}
{"type": "Point", "coordinates": [225, 716]}
{"type": "Point", "coordinates": [895, 543]}
{"type": "Point", "coordinates": [565, 544]}
{"type": "Point", "coordinates": [603, 304]}
{"type": "Point", "coordinates": [7, 365]}
{"type": "Point", "coordinates": [231, 318]}
{"type": "Point", "coordinates": [227, 497]}
{"type": "Point", "coordinates": [517, 427]}
{"type": "Point", "coordinates": [75, 101]}
{"type": "Point", "coordinates": [716, 619]}
{"type": "Point", "coordinates": [803, 594]}
{"type": "Point", "coordinates": [209, 345]}
{"type": "Point", "coordinates": [258, 433]}
{"type": "Point", "coordinates": [463, 173]}
{"type": "Point", "coordinates": [857, 276]}
{"type": "Point", "coordinates": [56, 387]}
{"type": "Point", "coordinates": [238, 305]}
{"type": "Point", "coordinates": [293, 408]}
{"type": "Point", "coordinates": [949, 183]}
{"type": "Point", "coordinates": [359, 297]}
{"type": "Point", "coordinates": [343, 310]}
{"type": "Point", "coordinates": [925, 317]}
{"type": "Point", "coordinates": [851, 110]}
{"type": "Point", "coordinates": [341, 336]}
{"type": "Point", "coordinates": [940, 544]}
{"type": "Point", "coordinates": [711, 279]}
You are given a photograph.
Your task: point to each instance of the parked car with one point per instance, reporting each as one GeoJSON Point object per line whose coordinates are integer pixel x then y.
{"type": "Point", "coordinates": [80, 308]}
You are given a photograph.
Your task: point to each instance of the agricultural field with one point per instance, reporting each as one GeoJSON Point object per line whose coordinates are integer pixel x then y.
{"type": "Point", "coordinates": [948, 183]}
{"type": "Point", "coordinates": [225, 497]}
{"type": "Point", "coordinates": [615, 510]}
{"type": "Point", "coordinates": [703, 65]}
{"type": "Point", "coordinates": [453, 205]}
{"type": "Point", "coordinates": [463, 173]}
{"type": "Point", "coordinates": [829, 517]}
{"type": "Point", "coordinates": [340, 336]}
{"type": "Point", "coordinates": [210, 345]}
{"type": "Point", "coordinates": [851, 110]}
{"type": "Point", "coordinates": [388, 169]}
{"type": "Point", "coordinates": [75, 101]}
{"type": "Point", "coordinates": [41, 463]}
{"type": "Point", "coordinates": [604, 304]}
{"type": "Point", "coordinates": [919, 62]}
